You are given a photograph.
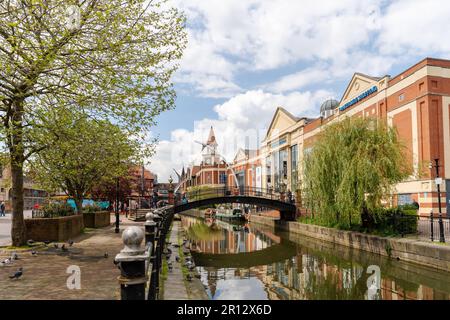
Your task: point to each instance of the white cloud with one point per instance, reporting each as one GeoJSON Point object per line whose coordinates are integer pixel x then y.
{"type": "Point", "coordinates": [415, 28]}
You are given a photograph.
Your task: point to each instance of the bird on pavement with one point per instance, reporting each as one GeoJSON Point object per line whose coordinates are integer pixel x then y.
{"type": "Point", "coordinates": [6, 261]}
{"type": "Point", "coordinates": [46, 242]}
{"type": "Point", "coordinates": [14, 256]}
{"type": "Point", "coordinates": [17, 274]}
{"type": "Point", "coordinates": [30, 242]}
{"type": "Point", "coordinates": [55, 245]}
{"type": "Point", "coordinates": [106, 255]}
{"type": "Point", "coordinates": [34, 253]}
{"type": "Point", "coordinates": [63, 248]}
{"type": "Point", "coordinates": [177, 258]}
{"type": "Point", "coordinates": [70, 242]}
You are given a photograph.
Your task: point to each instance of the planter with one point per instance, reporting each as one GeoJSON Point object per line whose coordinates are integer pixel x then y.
{"type": "Point", "coordinates": [54, 229]}
{"type": "Point", "coordinates": [98, 219]}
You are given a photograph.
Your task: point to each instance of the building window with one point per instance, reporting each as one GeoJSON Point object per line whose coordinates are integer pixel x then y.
{"type": "Point", "coordinates": [269, 172]}
{"type": "Point", "coordinates": [294, 171]}
{"type": "Point", "coordinates": [222, 178]}
{"type": "Point", "coordinates": [421, 86]}
{"type": "Point", "coordinates": [401, 97]}
{"type": "Point", "coordinates": [404, 199]}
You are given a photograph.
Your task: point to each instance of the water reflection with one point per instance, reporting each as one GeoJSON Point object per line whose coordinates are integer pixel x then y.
{"type": "Point", "coordinates": [249, 262]}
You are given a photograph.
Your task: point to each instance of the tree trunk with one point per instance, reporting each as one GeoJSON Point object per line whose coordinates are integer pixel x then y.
{"type": "Point", "coordinates": [79, 204]}
{"type": "Point", "coordinates": [17, 158]}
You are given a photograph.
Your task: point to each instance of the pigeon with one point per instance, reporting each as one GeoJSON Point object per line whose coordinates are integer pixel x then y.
{"type": "Point", "coordinates": [56, 246]}
{"type": "Point", "coordinates": [46, 242]}
{"type": "Point", "coordinates": [30, 242]}
{"type": "Point", "coordinates": [105, 255]}
{"type": "Point", "coordinates": [17, 274]}
{"type": "Point", "coordinates": [14, 256]}
{"type": "Point", "coordinates": [63, 248]}
{"type": "Point", "coordinates": [70, 242]}
{"type": "Point", "coordinates": [189, 277]}
{"type": "Point", "coordinates": [6, 261]}
{"type": "Point", "coordinates": [34, 253]}
{"type": "Point", "coordinates": [177, 258]}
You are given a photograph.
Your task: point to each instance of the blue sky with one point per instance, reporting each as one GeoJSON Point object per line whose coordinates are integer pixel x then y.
{"type": "Point", "coordinates": [247, 57]}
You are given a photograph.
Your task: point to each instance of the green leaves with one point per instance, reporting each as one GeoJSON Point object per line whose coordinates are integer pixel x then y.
{"type": "Point", "coordinates": [353, 167]}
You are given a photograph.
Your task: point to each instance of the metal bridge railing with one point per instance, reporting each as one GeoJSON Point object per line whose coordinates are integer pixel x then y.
{"type": "Point", "coordinates": [213, 192]}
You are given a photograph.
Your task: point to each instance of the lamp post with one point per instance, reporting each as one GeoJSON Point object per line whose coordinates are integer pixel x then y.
{"type": "Point", "coordinates": [438, 182]}
{"type": "Point", "coordinates": [117, 230]}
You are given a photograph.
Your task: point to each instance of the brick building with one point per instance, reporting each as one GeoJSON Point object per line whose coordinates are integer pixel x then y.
{"type": "Point", "coordinates": [212, 171]}
{"type": "Point", "coordinates": [416, 102]}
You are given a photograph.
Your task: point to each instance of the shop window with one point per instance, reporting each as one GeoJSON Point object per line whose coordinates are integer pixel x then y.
{"type": "Point", "coordinates": [404, 199]}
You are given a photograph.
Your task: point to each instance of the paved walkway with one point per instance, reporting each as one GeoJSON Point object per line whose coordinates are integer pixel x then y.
{"type": "Point", "coordinates": [174, 286]}
{"type": "Point", "coordinates": [45, 277]}
{"type": "Point", "coordinates": [5, 228]}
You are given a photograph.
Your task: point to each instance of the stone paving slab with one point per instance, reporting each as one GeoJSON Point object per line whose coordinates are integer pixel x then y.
{"type": "Point", "coordinates": [174, 287]}
{"type": "Point", "coordinates": [45, 275]}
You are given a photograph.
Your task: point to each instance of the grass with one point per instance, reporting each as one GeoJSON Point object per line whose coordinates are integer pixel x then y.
{"type": "Point", "coordinates": [26, 247]}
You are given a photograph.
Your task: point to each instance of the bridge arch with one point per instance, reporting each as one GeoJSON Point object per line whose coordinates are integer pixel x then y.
{"type": "Point", "coordinates": [287, 210]}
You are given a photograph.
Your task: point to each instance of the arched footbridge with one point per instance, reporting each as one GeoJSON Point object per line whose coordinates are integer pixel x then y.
{"type": "Point", "coordinates": [244, 195]}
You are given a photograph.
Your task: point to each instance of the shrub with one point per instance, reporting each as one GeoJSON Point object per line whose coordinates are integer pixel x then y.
{"type": "Point", "coordinates": [91, 208]}
{"type": "Point", "coordinates": [57, 209]}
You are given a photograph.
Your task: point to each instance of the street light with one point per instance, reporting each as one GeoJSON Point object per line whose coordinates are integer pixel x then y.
{"type": "Point", "coordinates": [438, 182]}
{"type": "Point", "coordinates": [117, 229]}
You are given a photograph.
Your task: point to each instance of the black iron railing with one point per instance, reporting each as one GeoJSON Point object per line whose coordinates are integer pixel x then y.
{"type": "Point", "coordinates": [429, 228]}
{"type": "Point", "coordinates": [213, 192]}
{"type": "Point", "coordinates": [163, 218]}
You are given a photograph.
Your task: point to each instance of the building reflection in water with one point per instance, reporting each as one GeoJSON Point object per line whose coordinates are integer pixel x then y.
{"type": "Point", "coordinates": [307, 275]}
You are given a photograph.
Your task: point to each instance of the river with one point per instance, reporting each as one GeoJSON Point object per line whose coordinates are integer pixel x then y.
{"type": "Point", "coordinates": [247, 261]}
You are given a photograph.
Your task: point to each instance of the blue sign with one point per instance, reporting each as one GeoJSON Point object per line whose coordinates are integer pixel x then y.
{"type": "Point", "coordinates": [359, 98]}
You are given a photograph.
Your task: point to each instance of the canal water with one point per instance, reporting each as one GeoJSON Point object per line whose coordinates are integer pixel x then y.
{"type": "Point", "coordinates": [247, 261]}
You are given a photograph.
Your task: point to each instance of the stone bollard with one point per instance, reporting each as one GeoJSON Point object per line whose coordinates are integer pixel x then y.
{"type": "Point", "coordinates": [150, 228]}
{"type": "Point", "coordinates": [132, 260]}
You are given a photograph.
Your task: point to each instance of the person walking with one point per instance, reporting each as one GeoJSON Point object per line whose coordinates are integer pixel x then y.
{"type": "Point", "coordinates": [2, 209]}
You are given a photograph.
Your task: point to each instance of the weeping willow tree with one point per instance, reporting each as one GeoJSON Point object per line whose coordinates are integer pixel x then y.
{"type": "Point", "coordinates": [352, 167]}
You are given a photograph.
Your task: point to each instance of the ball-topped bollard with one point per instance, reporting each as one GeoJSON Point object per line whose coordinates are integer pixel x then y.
{"type": "Point", "coordinates": [132, 238]}
{"type": "Point", "coordinates": [149, 217]}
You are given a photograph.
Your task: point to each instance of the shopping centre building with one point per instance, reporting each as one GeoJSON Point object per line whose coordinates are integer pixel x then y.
{"type": "Point", "coordinates": [416, 102]}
